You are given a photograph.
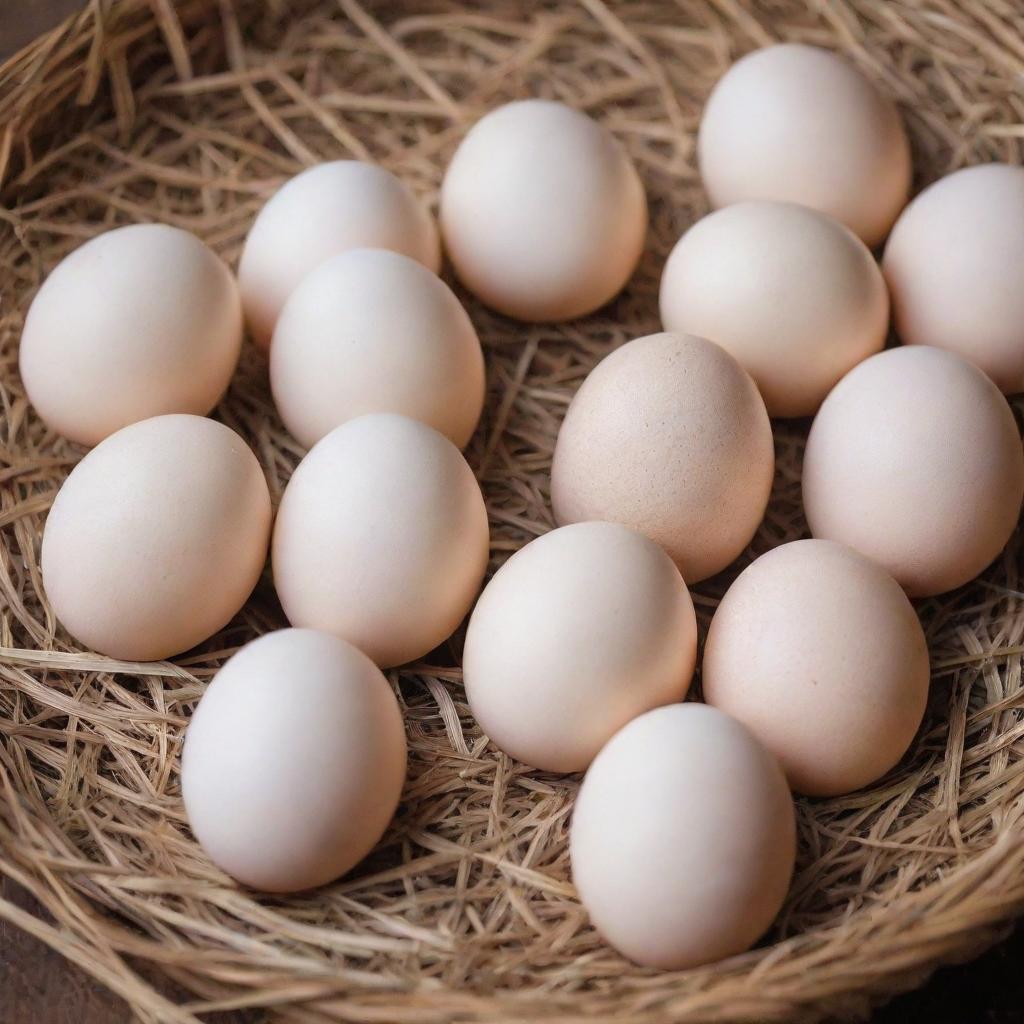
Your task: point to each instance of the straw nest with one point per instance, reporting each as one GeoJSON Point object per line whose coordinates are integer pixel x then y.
{"type": "Point", "coordinates": [191, 113]}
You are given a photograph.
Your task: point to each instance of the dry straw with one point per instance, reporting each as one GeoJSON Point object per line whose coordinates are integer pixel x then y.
{"type": "Point", "coordinates": [192, 113]}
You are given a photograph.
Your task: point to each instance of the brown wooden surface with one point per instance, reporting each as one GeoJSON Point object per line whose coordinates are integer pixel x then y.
{"type": "Point", "coordinates": [22, 20]}
{"type": "Point", "coordinates": [38, 986]}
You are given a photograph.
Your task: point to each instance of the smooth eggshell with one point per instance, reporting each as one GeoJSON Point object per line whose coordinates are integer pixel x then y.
{"type": "Point", "coordinates": [381, 537]}
{"type": "Point", "coordinates": [799, 124]}
{"type": "Point", "coordinates": [683, 838]}
{"type": "Point", "coordinates": [820, 654]}
{"type": "Point", "coordinates": [374, 331]}
{"type": "Point", "coordinates": [794, 295]}
{"type": "Point", "coordinates": [325, 210]}
{"type": "Point", "coordinates": [955, 265]}
{"type": "Point", "coordinates": [668, 435]}
{"type": "Point", "coordinates": [137, 322]}
{"type": "Point", "coordinates": [578, 633]}
{"type": "Point", "coordinates": [156, 538]}
{"type": "Point", "coordinates": [293, 761]}
{"type": "Point", "coordinates": [542, 212]}
{"type": "Point", "coordinates": [915, 461]}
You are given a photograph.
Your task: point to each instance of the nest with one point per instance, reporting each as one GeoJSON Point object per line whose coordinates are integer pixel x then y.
{"type": "Point", "coordinates": [192, 113]}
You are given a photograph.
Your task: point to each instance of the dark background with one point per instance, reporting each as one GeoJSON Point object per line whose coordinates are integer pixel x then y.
{"type": "Point", "coordinates": [39, 986]}
{"type": "Point", "coordinates": [22, 20]}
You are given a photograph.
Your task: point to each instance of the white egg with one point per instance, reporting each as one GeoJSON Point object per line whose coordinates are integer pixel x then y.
{"type": "Point", "coordinates": [800, 124]}
{"type": "Point", "coordinates": [793, 295]}
{"type": "Point", "coordinates": [294, 761]}
{"type": "Point", "coordinates": [381, 537]}
{"type": "Point", "coordinates": [325, 210]}
{"type": "Point", "coordinates": [137, 322]}
{"type": "Point", "coordinates": [955, 265]}
{"type": "Point", "coordinates": [157, 537]}
{"type": "Point", "coordinates": [374, 331]}
{"type": "Point", "coordinates": [542, 212]}
{"type": "Point", "coordinates": [683, 838]}
{"type": "Point", "coordinates": [583, 629]}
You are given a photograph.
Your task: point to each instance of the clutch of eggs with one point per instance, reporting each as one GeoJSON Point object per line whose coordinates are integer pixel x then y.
{"type": "Point", "coordinates": [580, 651]}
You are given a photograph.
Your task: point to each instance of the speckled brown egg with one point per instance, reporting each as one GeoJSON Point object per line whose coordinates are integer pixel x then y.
{"type": "Point", "coordinates": [668, 435]}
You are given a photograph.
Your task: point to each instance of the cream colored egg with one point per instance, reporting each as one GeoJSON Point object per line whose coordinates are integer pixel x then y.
{"type": "Point", "coordinates": [578, 633]}
{"type": "Point", "coordinates": [542, 212]}
{"type": "Point", "coordinates": [955, 265]}
{"type": "Point", "coordinates": [668, 435]}
{"type": "Point", "coordinates": [683, 838]}
{"type": "Point", "coordinates": [820, 654]}
{"type": "Point", "coordinates": [799, 124]}
{"type": "Point", "coordinates": [915, 461]}
{"type": "Point", "coordinates": [794, 295]}
{"type": "Point", "coordinates": [381, 537]}
{"type": "Point", "coordinates": [325, 210]}
{"type": "Point", "coordinates": [374, 331]}
{"type": "Point", "coordinates": [138, 322]}
{"type": "Point", "coordinates": [156, 538]}
{"type": "Point", "coordinates": [293, 761]}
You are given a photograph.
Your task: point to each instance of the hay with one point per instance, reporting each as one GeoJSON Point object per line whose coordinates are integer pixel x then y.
{"type": "Point", "coordinates": [192, 113]}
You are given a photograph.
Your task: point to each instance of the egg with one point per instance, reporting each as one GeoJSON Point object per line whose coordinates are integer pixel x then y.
{"type": "Point", "coordinates": [542, 212]}
{"type": "Point", "coordinates": [381, 538]}
{"type": "Point", "coordinates": [683, 838]}
{"type": "Point", "coordinates": [156, 538]}
{"type": "Point", "coordinates": [955, 266]}
{"type": "Point", "coordinates": [293, 761]}
{"type": "Point", "coordinates": [668, 435]}
{"type": "Point", "coordinates": [794, 295]}
{"type": "Point", "coordinates": [579, 632]}
{"type": "Point", "coordinates": [818, 651]}
{"type": "Point", "coordinates": [325, 210]}
{"type": "Point", "coordinates": [137, 322]}
{"type": "Point", "coordinates": [374, 331]}
{"type": "Point", "coordinates": [915, 461]}
{"type": "Point", "coordinates": [799, 124]}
